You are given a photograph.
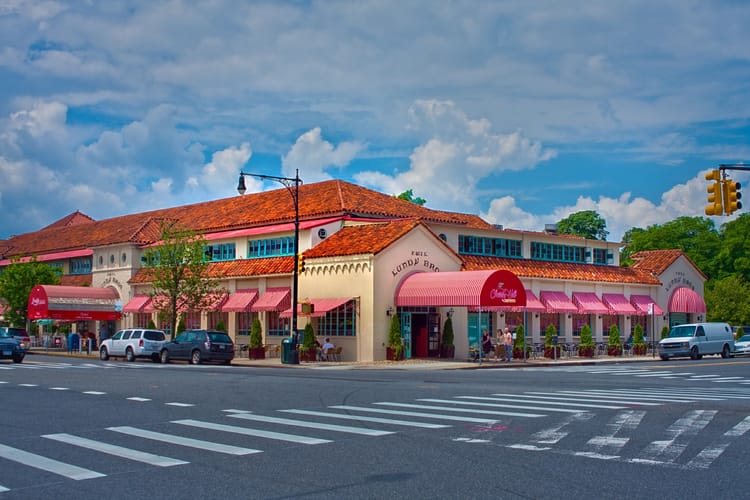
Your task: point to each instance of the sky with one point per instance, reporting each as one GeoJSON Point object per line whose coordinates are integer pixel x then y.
{"type": "Point", "coordinates": [521, 112]}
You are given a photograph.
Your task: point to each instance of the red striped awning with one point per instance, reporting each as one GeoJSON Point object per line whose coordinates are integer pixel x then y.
{"type": "Point", "coordinates": [484, 288]}
{"type": "Point", "coordinates": [686, 300]}
{"type": "Point", "coordinates": [618, 304]}
{"type": "Point", "coordinates": [273, 299]}
{"type": "Point", "coordinates": [589, 303]}
{"type": "Point", "coordinates": [73, 303]}
{"type": "Point", "coordinates": [320, 307]}
{"type": "Point", "coordinates": [136, 304]}
{"type": "Point", "coordinates": [557, 302]}
{"type": "Point", "coordinates": [240, 300]}
{"type": "Point", "coordinates": [642, 303]}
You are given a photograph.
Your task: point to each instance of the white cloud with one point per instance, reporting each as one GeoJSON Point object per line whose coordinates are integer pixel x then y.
{"type": "Point", "coordinates": [313, 155]}
{"type": "Point", "coordinates": [224, 167]}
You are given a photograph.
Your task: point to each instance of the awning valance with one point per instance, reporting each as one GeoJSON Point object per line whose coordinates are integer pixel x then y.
{"type": "Point", "coordinates": [486, 288]}
{"type": "Point", "coordinates": [533, 304]}
{"type": "Point", "coordinates": [273, 299]}
{"type": "Point", "coordinates": [642, 304]}
{"type": "Point", "coordinates": [686, 300]}
{"type": "Point", "coordinates": [73, 303]}
{"type": "Point", "coordinates": [320, 307]}
{"type": "Point", "coordinates": [589, 303]}
{"type": "Point", "coordinates": [617, 303]}
{"type": "Point", "coordinates": [240, 300]}
{"type": "Point", "coordinates": [136, 304]}
{"type": "Point", "coordinates": [557, 302]}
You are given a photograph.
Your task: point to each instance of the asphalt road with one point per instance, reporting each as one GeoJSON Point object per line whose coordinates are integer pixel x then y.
{"type": "Point", "coordinates": [85, 429]}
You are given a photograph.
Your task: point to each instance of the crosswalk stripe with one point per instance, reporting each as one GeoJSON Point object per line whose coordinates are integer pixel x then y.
{"type": "Point", "coordinates": [626, 420]}
{"type": "Point", "coordinates": [665, 396]}
{"type": "Point", "coordinates": [314, 425]}
{"type": "Point", "coordinates": [668, 450]}
{"type": "Point", "coordinates": [578, 396]}
{"type": "Point", "coordinates": [183, 441]}
{"type": "Point", "coordinates": [279, 436]}
{"type": "Point", "coordinates": [706, 457]}
{"type": "Point", "coordinates": [415, 414]}
{"type": "Point", "coordinates": [48, 464]}
{"type": "Point", "coordinates": [462, 410]}
{"type": "Point", "coordinates": [554, 434]}
{"type": "Point", "coordinates": [3, 488]}
{"type": "Point", "coordinates": [367, 419]}
{"type": "Point", "coordinates": [546, 401]}
{"type": "Point", "coordinates": [499, 405]}
{"type": "Point", "coordinates": [118, 451]}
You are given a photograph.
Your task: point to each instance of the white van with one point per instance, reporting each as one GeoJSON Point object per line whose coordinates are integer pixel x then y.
{"type": "Point", "coordinates": [697, 339]}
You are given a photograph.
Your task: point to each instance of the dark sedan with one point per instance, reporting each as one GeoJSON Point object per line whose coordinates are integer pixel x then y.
{"type": "Point", "coordinates": [197, 346]}
{"type": "Point", "coordinates": [11, 348]}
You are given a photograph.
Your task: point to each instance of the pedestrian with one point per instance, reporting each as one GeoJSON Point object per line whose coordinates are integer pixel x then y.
{"type": "Point", "coordinates": [508, 340]}
{"type": "Point", "coordinates": [486, 344]}
{"type": "Point", "coordinates": [499, 345]}
{"type": "Point", "coordinates": [103, 333]}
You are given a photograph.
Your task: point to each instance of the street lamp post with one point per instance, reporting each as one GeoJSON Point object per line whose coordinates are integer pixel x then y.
{"type": "Point", "coordinates": [292, 186]}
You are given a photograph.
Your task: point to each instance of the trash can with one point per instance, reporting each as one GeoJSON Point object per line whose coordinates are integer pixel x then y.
{"type": "Point", "coordinates": [73, 342]}
{"type": "Point", "coordinates": [289, 354]}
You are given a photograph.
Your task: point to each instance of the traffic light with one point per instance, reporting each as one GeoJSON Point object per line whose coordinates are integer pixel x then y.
{"type": "Point", "coordinates": [732, 196]}
{"type": "Point", "coordinates": [714, 193]}
{"type": "Point", "coordinates": [300, 263]}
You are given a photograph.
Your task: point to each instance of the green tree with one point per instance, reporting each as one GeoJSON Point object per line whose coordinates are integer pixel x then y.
{"type": "Point", "coordinates": [220, 326]}
{"type": "Point", "coordinates": [256, 334]}
{"type": "Point", "coordinates": [549, 335]}
{"type": "Point", "coordinates": [733, 258]}
{"type": "Point", "coordinates": [587, 223]}
{"type": "Point", "coordinates": [586, 338]}
{"type": "Point", "coordinates": [614, 337]}
{"type": "Point", "coordinates": [728, 299]}
{"type": "Point", "coordinates": [408, 195]}
{"type": "Point", "coordinates": [308, 338]}
{"type": "Point", "coordinates": [16, 282]}
{"type": "Point", "coordinates": [179, 274]}
{"type": "Point", "coordinates": [447, 332]}
{"type": "Point", "coordinates": [638, 335]}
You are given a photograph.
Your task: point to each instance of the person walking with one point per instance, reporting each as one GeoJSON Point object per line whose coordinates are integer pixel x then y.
{"type": "Point", "coordinates": [486, 344]}
{"type": "Point", "coordinates": [508, 340]}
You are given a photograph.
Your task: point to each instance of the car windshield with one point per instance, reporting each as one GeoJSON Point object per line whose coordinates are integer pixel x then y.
{"type": "Point", "coordinates": [744, 338]}
{"type": "Point", "coordinates": [219, 337]}
{"type": "Point", "coordinates": [682, 331]}
{"type": "Point", "coordinates": [5, 335]}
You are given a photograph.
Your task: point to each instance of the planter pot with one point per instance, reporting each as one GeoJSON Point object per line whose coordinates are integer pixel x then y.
{"type": "Point", "coordinates": [614, 350]}
{"type": "Point", "coordinates": [447, 351]}
{"type": "Point", "coordinates": [549, 352]}
{"type": "Point", "coordinates": [309, 355]}
{"type": "Point", "coordinates": [586, 351]}
{"type": "Point", "coordinates": [639, 350]}
{"type": "Point", "coordinates": [392, 355]}
{"type": "Point", "coordinates": [518, 353]}
{"type": "Point", "coordinates": [256, 353]}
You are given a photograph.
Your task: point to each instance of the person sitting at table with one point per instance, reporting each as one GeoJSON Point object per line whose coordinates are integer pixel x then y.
{"type": "Point", "coordinates": [326, 347]}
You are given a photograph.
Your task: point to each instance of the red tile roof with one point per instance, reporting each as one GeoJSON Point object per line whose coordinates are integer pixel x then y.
{"type": "Point", "coordinates": [76, 280]}
{"type": "Point", "coordinates": [71, 220]}
{"type": "Point", "coordinates": [657, 261]}
{"type": "Point", "coordinates": [322, 199]}
{"type": "Point", "coordinates": [233, 268]}
{"type": "Point", "coordinates": [526, 268]}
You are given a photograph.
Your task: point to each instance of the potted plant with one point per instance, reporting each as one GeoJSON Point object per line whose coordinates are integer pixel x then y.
{"type": "Point", "coordinates": [395, 349]}
{"type": "Point", "coordinates": [664, 331]}
{"type": "Point", "coordinates": [447, 349]}
{"type": "Point", "coordinates": [586, 344]}
{"type": "Point", "coordinates": [308, 351]}
{"type": "Point", "coordinates": [639, 346]}
{"type": "Point", "coordinates": [549, 344]}
{"type": "Point", "coordinates": [518, 344]}
{"type": "Point", "coordinates": [614, 344]}
{"type": "Point", "coordinates": [255, 349]}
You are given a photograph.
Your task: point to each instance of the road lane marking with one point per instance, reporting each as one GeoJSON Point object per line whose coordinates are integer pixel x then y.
{"type": "Point", "coordinates": [668, 450]}
{"type": "Point", "coordinates": [313, 425]}
{"type": "Point", "coordinates": [499, 405]}
{"type": "Point", "coordinates": [546, 400]}
{"type": "Point", "coordinates": [554, 434]}
{"type": "Point", "coordinates": [181, 405]}
{"type": "Point", "coordinates": [118, 451]}
{"type": "Point", "coordinates": [139, 399]}
{"type": "Point", "coordinates": [183, 441]}
{"type": "Point", "coordinates": [461, 410]}
{"type": "Point", "coordinates": [624, 421]}
{"type": "Point", "coordinates": [279, 436]}
{"type": "Point", "coordinates": [706, 457]}
{"type": "Point", "coordinates": [48, 464]}
{"type": "Point", "coordinates": [95, 393]}
{"type": "Point", "coordinates": [28, 385]}
{"type": "Point", "coordinates": [362, 418]}
{"type": "Point", "coordinates": [415, 414]}
{"type": "Point", "coordinates": [58, 388]}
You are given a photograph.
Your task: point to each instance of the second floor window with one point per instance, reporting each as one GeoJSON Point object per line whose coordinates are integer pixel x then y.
{"type": "Point", "coordinates": [219, 251]}
{"type": "Point", "coordinates": [272, 247]}
{"type": "Point", "coordinates": [560, 253]}
{"type": "Point", "coordinates": [494, 247]}
{"type": "Point", "coordinates": [80, 266]}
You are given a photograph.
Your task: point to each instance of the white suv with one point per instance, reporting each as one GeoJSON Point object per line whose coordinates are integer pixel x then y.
{"type": "Point", "coordinates": [133, 343]}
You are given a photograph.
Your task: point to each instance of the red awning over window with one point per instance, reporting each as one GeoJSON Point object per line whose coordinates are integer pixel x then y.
{"type": "Point", "coordinates": [273, 299]}
{"type": "Point", "coordinates": [618, 304]}
{"type": "Point", "coordinates": [136, 304]}
{"type": "Point", "coordinates": [240, 300]}
{"type": "Point", "coordinates": [320, 307]}
{"type": "Point", "coordinates": [686, 300]}
{"type": "Point", "coordinates": [73, 303]}
{"type": "Point", "coordinates": [642, 302]}
{"type": "Point", "coordinates": [589, 303]}
{"type": "Point", "coordinates": [557, 302]}
{"type": "Point", "coordinates": [462, 288]}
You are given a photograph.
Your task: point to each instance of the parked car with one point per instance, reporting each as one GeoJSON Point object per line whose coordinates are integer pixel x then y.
{"type": "Point", "coordinates": [198, 346]}
{"type": "Point", "coordinates": [134, 343]}
{"type": "Point", "coordinates": [742, 345]}
{"type": "Point", "coordinates": [10, 347]}
{"type": "Point", "coordinates": [19, 334]}
{"type": "Point", "coordinates": [696, 340]}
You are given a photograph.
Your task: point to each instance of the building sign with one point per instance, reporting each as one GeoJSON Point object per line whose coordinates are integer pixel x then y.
{"type": "Point", "coordinates": [503, 288]}
{"type": "Point", "coordinates": [73, 303]}
{"type": "Point", "coordinates": [417, 261]}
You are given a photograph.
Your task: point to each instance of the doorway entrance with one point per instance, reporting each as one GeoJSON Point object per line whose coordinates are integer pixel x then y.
{"type": "Point", "coordinates": [420, 331]}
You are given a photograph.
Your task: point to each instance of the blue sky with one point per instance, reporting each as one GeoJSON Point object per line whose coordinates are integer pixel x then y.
{"type": "Point", "coordinates": [521, 112]}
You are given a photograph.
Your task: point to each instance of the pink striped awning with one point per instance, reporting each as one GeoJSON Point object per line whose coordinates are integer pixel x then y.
{"type": "Point", "coordinates": [642, 302]}
{"type": "Point", "coordinates": [240, 300]}
{"type": "Point", "coordinates": [273, 299]}
{"type": "Point", "coordinates": [686, 300]}
{"type": "Point", "coordinates": [136, 304]}
{"type": "Point", "coordinates": [618, 304]}
{"type": "Point", "coordinates": [557, 302]}
{"type": "Point", "coordinates": [320, 307]}
{"type": "Point", "coordinates": [484, 288]}
{"type": "Point", "coordinates": [73, 303]}
{"type": "Point", "coordinates": [589, 303]}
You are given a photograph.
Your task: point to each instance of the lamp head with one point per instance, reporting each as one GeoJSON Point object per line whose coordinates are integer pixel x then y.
{"type": "Point", "coordinates": [241, 185]}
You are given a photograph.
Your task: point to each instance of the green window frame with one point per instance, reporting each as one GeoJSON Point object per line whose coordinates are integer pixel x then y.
{"type": "Point", "coordinates": [493, 247]}
{"type": "Point", "coordinates": [270, 247]}
{"type": "Point", "coordinates": [557, 253]}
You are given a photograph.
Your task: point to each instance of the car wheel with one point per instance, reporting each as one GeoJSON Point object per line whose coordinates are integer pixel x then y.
{"type": "Point", "coordinates": [694, 353]}
{"type": "Point", "coordinates": [664, 358]}
{"type": "Point", "coordinates": [164, 356]}
{"type": "Point", "coordinates": [18, 358]}
{"type": "Point", "coordinates": [129, 355]}
{"type": "Point", "coordinates": [226, 362]}
{"type": "Point", "coordinates": [725, 352]}
{"type": "Point", "coordinates": [195, 357]}
{"type": "Point", "coordinates": [155, 358]}
{"type": "Point", "coordinates": [103, 354]}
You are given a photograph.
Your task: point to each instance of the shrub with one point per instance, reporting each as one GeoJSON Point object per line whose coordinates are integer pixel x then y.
{"type": "Point", "coordinates": [308, 338]}
{"type": "Point", "coordinates": [256, 334]}
{"type": "Point", "coordinates": [220, 326]}
{"type": "Point", "coordinates": [394, 337]}
{"type": "Point", "coordinates": [614, 337]}
{"type": "Point", "coordinates": [151, 325]}
{"type": "Point", "coordinates": [549, 334]}
{"type": "Point", "coordinates": [586, 339]}
{"type": "Point", "coordinates": [519, 341]}
{"type": "Point", "coordinates": [664, 331]}
{"type": "Point", "coordinates": [638, 335]}
{"type": "Point", "coordinates": [447, 332]}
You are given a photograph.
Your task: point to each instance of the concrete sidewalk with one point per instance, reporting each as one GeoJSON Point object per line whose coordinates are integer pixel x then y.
{"type": "Point", "coordinates": [408, 364]}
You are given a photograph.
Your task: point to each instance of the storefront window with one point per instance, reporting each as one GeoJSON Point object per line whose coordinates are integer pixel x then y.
{"type": "Point", "coordinates": [278, 326]}
{"type": "Point", "coordinates": [342, 321]}
{"type": "Point", "coordinates": [578, 321]}
{"type": "Point", "coordinates": [216, 317]}
{"type": "Point", "coordinates": [547, 319]}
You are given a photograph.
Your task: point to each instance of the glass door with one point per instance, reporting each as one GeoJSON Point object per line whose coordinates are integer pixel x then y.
{"type": "Point", "coordinates": [406, 333]}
